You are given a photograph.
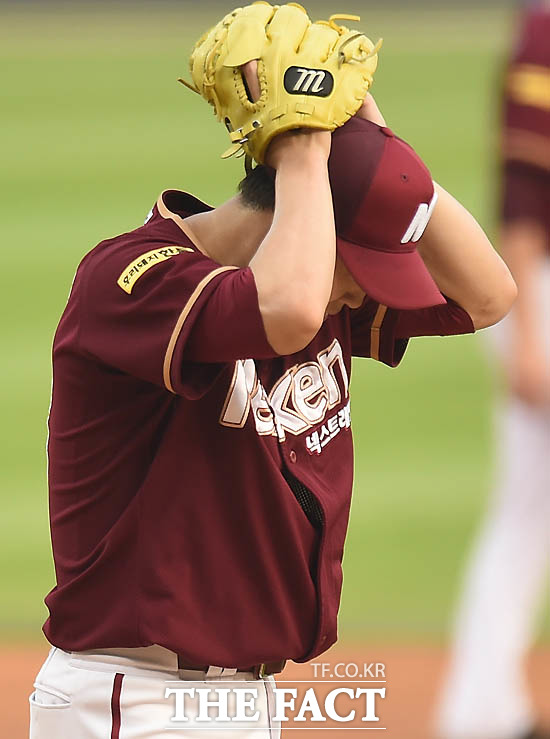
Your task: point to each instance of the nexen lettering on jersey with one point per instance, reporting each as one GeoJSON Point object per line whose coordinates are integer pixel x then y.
{"type": "Point", "coordinates": [299, 400]}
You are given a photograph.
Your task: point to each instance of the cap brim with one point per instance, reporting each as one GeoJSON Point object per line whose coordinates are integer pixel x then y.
{"type": "Point", "coordinates": [398, 280]}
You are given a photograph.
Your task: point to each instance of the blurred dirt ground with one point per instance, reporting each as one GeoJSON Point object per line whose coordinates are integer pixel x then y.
{"type": "Point", "coordinates": [413, 675]}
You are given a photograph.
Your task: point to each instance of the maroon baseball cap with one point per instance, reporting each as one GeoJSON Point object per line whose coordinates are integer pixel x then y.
{"type": "Point", "coordinates": [383, 198]}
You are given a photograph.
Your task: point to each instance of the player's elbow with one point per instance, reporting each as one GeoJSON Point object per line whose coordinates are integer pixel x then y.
{"type": "Point", "coordinates": [496, 304]}
{"type": "Point", "coordinates": [293, 329]}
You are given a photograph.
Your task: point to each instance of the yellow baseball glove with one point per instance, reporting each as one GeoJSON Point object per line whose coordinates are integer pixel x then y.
{"type": "Point", "coordinates": [312, 75]}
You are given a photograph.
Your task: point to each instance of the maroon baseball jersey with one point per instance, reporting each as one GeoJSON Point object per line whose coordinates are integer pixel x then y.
{"type": "Point", "coordinates": [526, 121]}
{"type": "Point", "coordinates": [200, 483]}
{"type": "Point", "coordinates": [527, 91]}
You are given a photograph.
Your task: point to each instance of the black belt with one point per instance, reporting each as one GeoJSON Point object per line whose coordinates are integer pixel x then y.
{"type": "Point", "coordinates": [262, 670]}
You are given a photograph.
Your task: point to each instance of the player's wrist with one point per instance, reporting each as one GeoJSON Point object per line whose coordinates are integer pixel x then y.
{"type": "Point", "coordinates": [300, 148]}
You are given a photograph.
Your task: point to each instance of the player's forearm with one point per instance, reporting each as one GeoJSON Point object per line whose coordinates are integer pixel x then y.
{"type": "Point", "coordinates": [294, 266]}
{"type": "Point", "coordinates": [523, 249]}
{"type": "Point", "coordinates": [464, 264]}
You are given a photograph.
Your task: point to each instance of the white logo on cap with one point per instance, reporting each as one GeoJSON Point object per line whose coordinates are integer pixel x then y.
{"type": "Point", "coordinates": [420, 221]}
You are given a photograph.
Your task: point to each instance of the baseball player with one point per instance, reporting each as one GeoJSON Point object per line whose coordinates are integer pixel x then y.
{"type": "Point", "coordinates": [200, 448]}
{"type": "Point", "coordinates": [485, 694]}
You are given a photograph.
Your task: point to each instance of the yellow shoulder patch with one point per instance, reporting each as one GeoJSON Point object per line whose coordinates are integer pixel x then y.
{"type": "Point", "coordinates": [529, 84]}
{"type": "Point", "coordinates": [139, 266]}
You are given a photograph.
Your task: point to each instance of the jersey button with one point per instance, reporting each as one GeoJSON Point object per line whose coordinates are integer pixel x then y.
{"type": "Point", "coordinates": [292, 456]}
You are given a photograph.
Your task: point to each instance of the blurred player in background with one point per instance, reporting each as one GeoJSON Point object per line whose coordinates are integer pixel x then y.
{"type": "Point", "coordinates": [485, 695]}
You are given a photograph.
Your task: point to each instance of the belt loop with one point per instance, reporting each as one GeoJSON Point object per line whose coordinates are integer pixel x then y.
{"type": "Point", "coordinates": [214, 671]}
{"type": "Point", "coordinates": [180, 666]}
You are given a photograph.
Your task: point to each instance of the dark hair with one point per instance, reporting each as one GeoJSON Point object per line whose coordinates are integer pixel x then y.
{"type": "Point", "coordinates": [257, 189]}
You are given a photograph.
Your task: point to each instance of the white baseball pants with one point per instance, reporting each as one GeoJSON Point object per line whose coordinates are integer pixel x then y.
{"type": "Point", "coordinates": [122, 694]}
{"type": "Point", "coordinates": [485, 694]}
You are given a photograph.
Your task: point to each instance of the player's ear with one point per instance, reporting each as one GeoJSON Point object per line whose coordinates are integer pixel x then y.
{"type": "Point", "coordinates": [251, 82]}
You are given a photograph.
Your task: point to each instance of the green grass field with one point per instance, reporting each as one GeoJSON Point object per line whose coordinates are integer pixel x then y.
{"type": "Point", "coordinates": [94, 127]}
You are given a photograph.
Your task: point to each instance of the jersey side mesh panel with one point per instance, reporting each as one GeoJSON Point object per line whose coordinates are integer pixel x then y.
{"type": "Point", "coordinates": [308, 502]}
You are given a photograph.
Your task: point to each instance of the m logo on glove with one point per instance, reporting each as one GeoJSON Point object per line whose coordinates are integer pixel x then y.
{"type": "Point", "coordinates": [305, 81]}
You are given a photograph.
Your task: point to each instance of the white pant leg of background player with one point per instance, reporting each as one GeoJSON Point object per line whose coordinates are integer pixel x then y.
{"type": "Point", "coordinates": [485, 694]}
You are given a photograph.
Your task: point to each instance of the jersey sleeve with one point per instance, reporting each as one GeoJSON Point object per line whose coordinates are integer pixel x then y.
{"type": "Point", "coordinates": [439, 320]}
{"type": "Point", "coordinates": [373, 334]}
{"type": "Point", "coordinates": [382, 333]}
{"type": "Point", "coordinates": [183, 309]}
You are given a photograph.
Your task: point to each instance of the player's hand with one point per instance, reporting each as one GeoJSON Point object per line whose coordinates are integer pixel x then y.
{"type": "Point", "coordinates": [250, 73]}
{"type": "Point", "coordinates": [298, 146]}
{"type": "Point", "coordinates": [370, 111]}
{"type": "Point", "coordinates": [529, 378]}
